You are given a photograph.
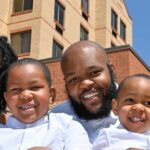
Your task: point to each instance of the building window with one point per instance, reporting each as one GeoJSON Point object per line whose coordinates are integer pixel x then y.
{"type": "Point", "coordinates": [85, 8]}
{"type": "Point", "coordinates": [59, 16]}
{"type": "Point", "coordinates": [21, 42]}
{"type": "Point", "coordinates": [22, 5]}
{"type": "Point", "coordinates": [122, 30]}
{"type": "Point", "coordinates": [57, 50]}
{"type": "Point", "coordinates": [114, 19]}
{"type": "Point", "coordinates": [83, 33]}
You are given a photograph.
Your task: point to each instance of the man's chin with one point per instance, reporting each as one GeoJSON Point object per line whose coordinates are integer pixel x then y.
{"type": "Point", "coordinates": [84, 113]}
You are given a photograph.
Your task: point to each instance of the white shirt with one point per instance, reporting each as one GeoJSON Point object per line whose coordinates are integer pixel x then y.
{"type": "Point", "coordinates": [56, 131]}
{"type": "Point", "coordinates": [91, 126]}
{"type": "Point", "coordinates": [117, 137]}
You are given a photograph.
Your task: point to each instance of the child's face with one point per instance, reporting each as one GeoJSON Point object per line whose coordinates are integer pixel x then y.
{"type": "Point", "coordinates": [133, 104]}
{"type": "Point", "coordinates": [28, 93]}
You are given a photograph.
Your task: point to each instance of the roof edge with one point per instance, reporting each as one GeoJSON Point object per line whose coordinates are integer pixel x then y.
{"type": "Point", "coordinates": [125, 47]}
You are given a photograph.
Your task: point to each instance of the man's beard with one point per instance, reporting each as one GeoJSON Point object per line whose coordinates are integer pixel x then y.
{"type": "Point", "coordinates": [103, 111]}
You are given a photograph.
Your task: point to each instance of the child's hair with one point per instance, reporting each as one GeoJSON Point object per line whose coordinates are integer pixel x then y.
{"type": "Point", "coordinates": [21, 62]}
{"type": "Point", "coordinates": [8, 55]}
{"type": "Point", "coordinates": [131, 76]}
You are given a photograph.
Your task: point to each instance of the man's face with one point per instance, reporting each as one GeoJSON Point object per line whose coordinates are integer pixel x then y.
{"type": "Point", "coordinates": [88, 82]}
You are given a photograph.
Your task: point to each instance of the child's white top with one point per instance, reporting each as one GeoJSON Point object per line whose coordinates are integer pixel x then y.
{"type": "Point", "coordinates": [56, 131]}
{"type": "Point", "coordinates": [118, 138]}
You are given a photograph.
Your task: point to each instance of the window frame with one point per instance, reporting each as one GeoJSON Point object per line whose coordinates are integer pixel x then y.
{"type": "Point", "coordinates": [83, 31]}
{"type": "Point", "coordinates": [21, 35]}
{"type": "Point", "coordinates": [122, 30]}
{"type": "Point", "coordinates": [114, 22]}
{"type": "Point", "coordinates": [22, 7]}
{"type": "Point", "coordinates": [57, 15]}
{"type": "Point", "coordinates": [56, 52]}
{"type": "Point", "coordinates": [85, 9]}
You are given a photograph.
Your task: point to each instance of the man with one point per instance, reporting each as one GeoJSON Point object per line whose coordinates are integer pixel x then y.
{"type": "Point", "coordinates": [90, 85]}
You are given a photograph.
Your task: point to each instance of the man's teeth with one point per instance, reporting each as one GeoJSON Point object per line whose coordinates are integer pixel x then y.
{"type": "Point", "coordinates": [135, 119]}
{"type": "Point", "coordinates": [90, 95]}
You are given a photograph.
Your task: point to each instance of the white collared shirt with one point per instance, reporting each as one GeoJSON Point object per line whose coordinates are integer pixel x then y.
{"type": "Point", "coordinates": [91, 126]}
{"type": "Point", "coordinates": [56, 131]}
{"type": "Point", "coordinates": [117, 137]}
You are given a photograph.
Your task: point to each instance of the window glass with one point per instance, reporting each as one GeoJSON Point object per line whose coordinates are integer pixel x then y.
{"type": "Point", "coordinates": [114, 20]}
{"type": "Point", "coordinates": [83, 33]}
{"type": "Point", "coordinates": [28, 4]}
{"type": "Point", "coordinates": [85, 5]}
{"type": "Point", "coordinates": [22, 5]}
{"type": "Point", "coordinates": [21, 42]}
{"type": "Point", "coordinates": [57, 50]}
{"type": "Point", "coordinates": [59, 13]}
{"type": "Point", "coordinates": [122, 30]}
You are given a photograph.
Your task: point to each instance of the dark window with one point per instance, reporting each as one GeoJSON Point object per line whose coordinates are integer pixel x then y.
{"type": "Point", "coordinates": [57, 50]}
{"type": "Point", "coordinates": [83, 33]}
{"type": "Point", "coordinates": [22, 5]}
{"type": "Point", "coordinates": [59, 13]}
{"type": "Point", "coordinates": [122, 30]}
{"type": "Point", "coordinates": [114, 18]}
{"type": "Point", "coordinates": [21, 42]}
{"type": "Point", "coordinates": [85, 8]}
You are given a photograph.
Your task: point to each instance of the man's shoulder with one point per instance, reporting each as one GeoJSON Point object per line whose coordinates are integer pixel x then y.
{"type": "Point", "coordinates": [64, 107]}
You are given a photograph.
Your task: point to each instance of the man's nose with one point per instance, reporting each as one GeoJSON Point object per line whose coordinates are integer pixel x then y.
{"type": "Point", "coordinates": [86, 84]}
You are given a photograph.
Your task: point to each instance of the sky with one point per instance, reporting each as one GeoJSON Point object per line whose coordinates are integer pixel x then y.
{"type": "Point", "coordinates": [139, 10]}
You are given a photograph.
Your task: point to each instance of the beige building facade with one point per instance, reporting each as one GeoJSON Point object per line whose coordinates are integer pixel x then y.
{"type": "Point", "coordinates": [45, 28]}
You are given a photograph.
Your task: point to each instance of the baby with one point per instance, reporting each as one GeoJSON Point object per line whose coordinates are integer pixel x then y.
{"type": "Point", "coordinates": [132, 106]}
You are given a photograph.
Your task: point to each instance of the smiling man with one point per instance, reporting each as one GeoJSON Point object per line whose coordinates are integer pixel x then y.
{"type": "Point", "coordinates": [90, 85]}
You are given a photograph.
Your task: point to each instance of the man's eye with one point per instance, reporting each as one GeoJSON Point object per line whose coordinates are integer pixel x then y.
{"type": "Point", "coordinates": [72, 80]}
{"type": "Point", "coordinates": [95, 73]}
{"type": "Point", "coordinates": [147, 103]}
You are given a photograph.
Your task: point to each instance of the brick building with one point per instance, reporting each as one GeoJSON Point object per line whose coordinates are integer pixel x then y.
{"type": "Point", "coordinates": [43, 29]}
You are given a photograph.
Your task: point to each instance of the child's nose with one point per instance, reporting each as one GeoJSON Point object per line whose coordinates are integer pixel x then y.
{"type": "Point", "coordinates": [26, 95]}
{"type": "Point", "coordinates": [137, 109]}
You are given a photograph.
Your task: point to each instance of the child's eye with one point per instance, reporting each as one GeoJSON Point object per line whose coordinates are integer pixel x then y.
{"type": "Point", "coordinates": [15, 90]}
{"type": "Point", "coordinates": [35, 88]}
{"type": "Point", "coordinates": [129, 101]}
{"type": "Point", "coordinates": [147, 103]}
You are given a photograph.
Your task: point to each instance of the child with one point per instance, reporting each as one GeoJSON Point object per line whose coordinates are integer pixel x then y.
{"type": "Point", "coordinates": [28, 92]}
{"type": "Point", "coordinates": [132, 105]}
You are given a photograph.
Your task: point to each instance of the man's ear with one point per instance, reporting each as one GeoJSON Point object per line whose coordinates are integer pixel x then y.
{"type": "Point", "coordinates": [112, 67]}
{"type": "Point", "coordinates": [52, 95]}
{"type": "Point", "coordinates": [115, 106]}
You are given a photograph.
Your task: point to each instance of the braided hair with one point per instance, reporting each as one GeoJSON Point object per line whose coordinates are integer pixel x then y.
{"type": "Point", "coordinates": [7, 57]}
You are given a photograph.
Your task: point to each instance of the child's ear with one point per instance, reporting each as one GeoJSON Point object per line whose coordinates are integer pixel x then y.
{"type": "Point", "coordinates": [52, 95]}
{"type": "Point", "coordinates": [115, 106]}
{"type": "Point", "coordinates": [6, 95]}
